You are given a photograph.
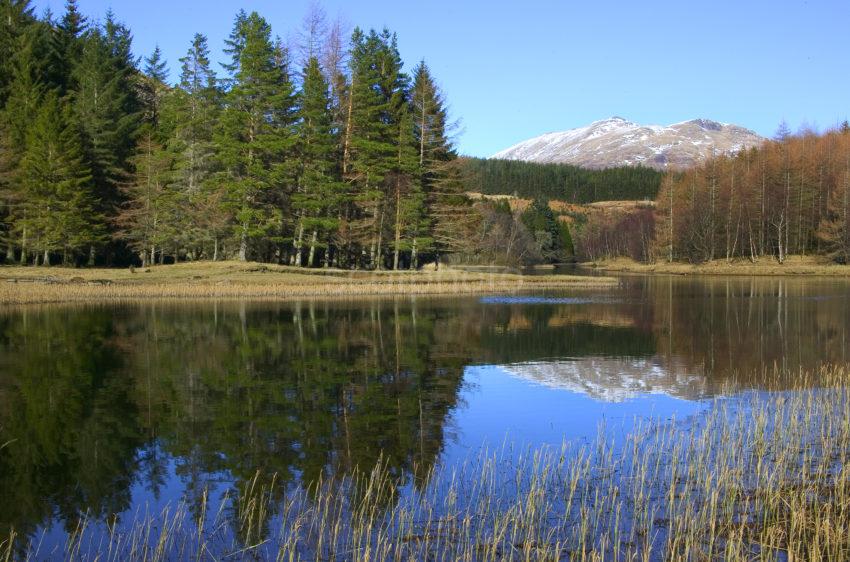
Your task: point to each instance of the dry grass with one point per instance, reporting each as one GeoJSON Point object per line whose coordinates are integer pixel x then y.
{"type": "Point", "coordinates": [761, 477]}
{"type": "Point", "coordinates": [794, 265]}
{"type": "Point", "coordinates": [230, 280]}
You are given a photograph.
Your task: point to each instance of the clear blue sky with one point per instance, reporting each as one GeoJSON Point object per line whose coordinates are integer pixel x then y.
{"type": "Point", "coordinates": [512, 70]}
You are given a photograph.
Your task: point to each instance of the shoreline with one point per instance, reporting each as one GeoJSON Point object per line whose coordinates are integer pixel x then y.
{"type": "Point", "coordinates": [766, 267]}
{"type": "Point", "coordinates": [256, 281]}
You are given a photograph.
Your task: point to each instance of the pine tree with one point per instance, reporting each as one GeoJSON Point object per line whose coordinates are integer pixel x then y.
{"type": "Point", "coordinates": [442, 178]}
{"type": "Point", "coordinates": [407, 200]}
{"type": "Point", "coordinates": [147, 219]}
{"type": "Point", "coordinates": [318, 195]}
{"type": "Point", "coordinates": [196, 107]}
{"type": "Point", "coordinates": [72, 26]}
{"type": "Point", "coordinates": [58, 213]}
{"type": "Point", "coordinates": [105, 109]}
{"type": "Point", "coordinates": [376, 99]}
{"type": "Point", "coordinates": [255, 132]}
{"type": "Point", "coordinates": [153, 87]}
{"type": "Point", "coordinates": [15, 17]}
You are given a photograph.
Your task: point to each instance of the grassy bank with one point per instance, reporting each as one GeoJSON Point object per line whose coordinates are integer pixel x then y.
{"type": "Point", "coordinates": [763, 476]}
{"type": "Point", "coordinates": [221, 280]}
{"type": "Point", "coordinates": [793, 265]}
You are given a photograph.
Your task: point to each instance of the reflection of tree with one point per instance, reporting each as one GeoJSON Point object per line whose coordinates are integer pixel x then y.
{"type": "Point", "coordinates": [97, 399]}
{"type": "Point", "coordinates": [66, 414]}
{"type": "Point", "coordinates": [732, 329]}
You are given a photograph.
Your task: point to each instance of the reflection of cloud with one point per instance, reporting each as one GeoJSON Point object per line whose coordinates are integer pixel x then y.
{"type": "Point", "coordinates": [611, 379]}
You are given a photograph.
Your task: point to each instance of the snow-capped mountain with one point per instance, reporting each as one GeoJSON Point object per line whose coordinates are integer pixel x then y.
{"type": "Point", "coordinates": [619, 142]}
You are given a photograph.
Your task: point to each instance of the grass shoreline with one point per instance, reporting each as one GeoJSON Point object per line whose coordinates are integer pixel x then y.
{"type": "Point", "coordinates": [238, 280]}
{"type": "Point", "coordinates": [767, 267]}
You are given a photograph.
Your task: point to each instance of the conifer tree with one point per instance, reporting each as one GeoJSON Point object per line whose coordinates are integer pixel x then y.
{"type": "Point", "coordinates": [105, 109]}
{"type": "Point", "coordinates": [376, 99]}
{"type": "Point", "coordinates": [15, 17]}
{"type": "Point", "coordinates": [442, 179]}
{"type": "Point", "coordinates": [196, 108]}
{"type": "Point", "coordinates": [58, 213]}
{"type": "Point", "coordinates": [255, 132]}
{"type": "Point", "coordinates": [318, 195]}
{"type": "Point", "coordinates": [153, 87]}
{"type": "Point", "coordinates": [147, 219]}
{"type": "Point", "coordinates": [71, 27]}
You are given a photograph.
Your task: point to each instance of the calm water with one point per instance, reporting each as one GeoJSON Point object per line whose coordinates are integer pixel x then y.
{"type": "Point", "coordinates": [116, 409]}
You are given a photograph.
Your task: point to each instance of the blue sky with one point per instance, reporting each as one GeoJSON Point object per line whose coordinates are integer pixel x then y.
{"type": "Point", "coordinates": [513, 70]}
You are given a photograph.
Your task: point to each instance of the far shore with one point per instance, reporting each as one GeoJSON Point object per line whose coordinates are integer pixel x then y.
{"type": "Point", "coordinates": [766, 266]}
{"type": "Point", "coordinates": [241, 280]}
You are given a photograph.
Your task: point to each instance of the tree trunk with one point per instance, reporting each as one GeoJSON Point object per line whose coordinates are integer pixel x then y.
{"type": "Point", "coordinates": [243, 243]}
{"type": "Point", "coordinates": [312, 254]}
{"type": "Point", "coordinates": [397, 247]}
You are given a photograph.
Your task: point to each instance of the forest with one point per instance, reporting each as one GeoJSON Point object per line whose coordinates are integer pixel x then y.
{"type": "Point", "coordinates": [791, 196]}
{"type": "Point", "coordinates": [561, 182]}
{"type": "Point", "coordinates": [323, 152]}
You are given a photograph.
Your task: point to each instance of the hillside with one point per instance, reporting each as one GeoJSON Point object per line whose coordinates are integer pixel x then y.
{"type": "Point", "coordinates": [618, 142]}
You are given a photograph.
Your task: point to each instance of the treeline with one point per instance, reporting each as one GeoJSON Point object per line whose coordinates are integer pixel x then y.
{"type": "Point", "coordinates": [325, 153]}
{"type": "Point", "coordinates": [561, 182]}
{"type": "Point", "coordinates": [789, 196]}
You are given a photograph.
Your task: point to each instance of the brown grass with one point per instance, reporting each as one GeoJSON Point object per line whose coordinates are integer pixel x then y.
{"type": "Point", "coordinates": [794, 265]}
{"type": "Point", "coordinates": [232, 280]}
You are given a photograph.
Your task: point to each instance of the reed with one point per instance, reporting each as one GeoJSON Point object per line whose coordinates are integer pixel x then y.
{"type": "Point", "coordinates": [761, 476]}
{"type": "Point", "coordinates": [234, 280]}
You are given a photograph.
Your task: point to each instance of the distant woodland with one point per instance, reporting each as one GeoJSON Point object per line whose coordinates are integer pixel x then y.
{"type": "Point", "coordinates": [790, 196]}
{"type": "Point", "coordinates": [562, 182]}
{"type": "Point", "coordinates": [326, 152]}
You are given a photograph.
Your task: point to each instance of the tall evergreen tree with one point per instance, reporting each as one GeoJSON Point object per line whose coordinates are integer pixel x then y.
{"type": "Point", "coordinates": [375, 105]}
{"type": "Point", "coordinates": [15, 17]}
{"type": "Point", "coordinates": [153, 86]}
{"type": "Point", "coordinates": [196, 109]}
{"type": "Point", "coordinates": [58, 214]}
{"type": "Point", "coordinates": [255, 133]}
{"type": "Point", "coordinates": [319, 192]}
{"type": "Point", "coordinates": [105, 108]}
{"type": "Point", "coordinates": [147, 219]}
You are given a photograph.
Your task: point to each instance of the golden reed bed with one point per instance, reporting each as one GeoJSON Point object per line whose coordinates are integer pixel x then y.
{"type": "Point", "coordinates": [233, 280]}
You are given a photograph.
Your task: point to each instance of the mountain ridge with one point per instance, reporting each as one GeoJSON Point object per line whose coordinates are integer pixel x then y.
{"type": "Point", "coordinates": [617, 141]}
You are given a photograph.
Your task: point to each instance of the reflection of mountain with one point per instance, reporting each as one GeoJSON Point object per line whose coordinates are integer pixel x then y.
{"type": "Point", "coordinates": [611, 379]}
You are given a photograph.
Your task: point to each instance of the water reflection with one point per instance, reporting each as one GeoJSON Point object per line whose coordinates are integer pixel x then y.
{"type": "Point", "coordinates": [105, 407]}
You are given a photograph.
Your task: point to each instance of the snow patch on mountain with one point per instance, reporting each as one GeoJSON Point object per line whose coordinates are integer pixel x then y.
{"type": "Point", "coordinates": [620, 142]}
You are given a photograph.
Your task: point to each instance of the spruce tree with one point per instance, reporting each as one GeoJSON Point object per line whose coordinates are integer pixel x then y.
{"type": "Point", "coordinates": [58, 213]}
{"type": "Point", "coordinates": [148, 219]}
{"type": "Point", "coordinates": [15, 17]}
{"type": "Point", "coordinates": [153, 86]}
{"type": "Point", "coordinates": [375, 104]}
{"type": "Point", "coordinates": [72, 26]}
{"type": "Point", "coordinates": [105, 108]}
{"type": "Point", "coordinates": [319, 191]}
{"type": "Point", "coordinates": [255, 133]}
{"type": "Point", "coordinates": [442, 178]}
{"type": "Point", "coordinates": [196, 106]}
